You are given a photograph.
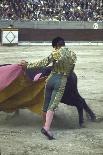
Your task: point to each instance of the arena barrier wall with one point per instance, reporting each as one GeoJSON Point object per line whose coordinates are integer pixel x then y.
{"type": "Point", "coordinates": [69, 35]}
{"type": "Point", "coordinates": [46, 31]}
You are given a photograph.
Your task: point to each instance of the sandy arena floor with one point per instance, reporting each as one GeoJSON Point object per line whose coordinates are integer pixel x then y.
{"type": "Point", "coordinates": [21, 135]}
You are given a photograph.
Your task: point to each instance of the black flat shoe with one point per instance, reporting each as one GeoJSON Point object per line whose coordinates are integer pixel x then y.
{"type": "Point", "coordinates": [43, 131]}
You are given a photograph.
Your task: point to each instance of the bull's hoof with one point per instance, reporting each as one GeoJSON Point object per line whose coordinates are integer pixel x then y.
{"type": "Point", "coordinates": [82, 125]}
{"type": "Point", "coordinates": [93, 118]}
{"type": "Point", "coordinates": [99, 119]}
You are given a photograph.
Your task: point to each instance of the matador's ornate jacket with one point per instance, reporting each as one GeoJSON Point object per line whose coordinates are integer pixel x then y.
{"type": "Point", "coordinates": [63, 61]}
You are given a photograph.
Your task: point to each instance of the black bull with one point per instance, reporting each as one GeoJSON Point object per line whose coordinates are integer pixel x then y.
{"type": "Point", "coordinates": [71, 95]}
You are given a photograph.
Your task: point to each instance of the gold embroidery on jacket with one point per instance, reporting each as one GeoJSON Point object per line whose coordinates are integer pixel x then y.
{"type": "Point", "coordinates": [63, 61]}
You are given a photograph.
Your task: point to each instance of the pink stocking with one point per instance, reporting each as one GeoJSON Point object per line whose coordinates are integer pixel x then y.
{"type": "Point", "coordinates": [49, 118]}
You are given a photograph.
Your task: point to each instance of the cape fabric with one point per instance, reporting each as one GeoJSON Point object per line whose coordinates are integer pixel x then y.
{"type": "Point", "coordinates": [18, 91]}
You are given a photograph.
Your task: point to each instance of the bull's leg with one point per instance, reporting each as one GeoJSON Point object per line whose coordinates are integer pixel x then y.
{"type": "Point", "coordinates": [88, 110]}
{"type": "Point", "coordinates": [80, 112]}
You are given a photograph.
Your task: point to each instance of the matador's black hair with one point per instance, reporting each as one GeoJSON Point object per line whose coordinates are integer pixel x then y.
{"type": "Point", "coordinates": [58, 41]}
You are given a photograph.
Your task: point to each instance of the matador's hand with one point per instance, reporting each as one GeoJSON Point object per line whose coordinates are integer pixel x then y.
{"type": "Point", "coordinates": [23, 63]}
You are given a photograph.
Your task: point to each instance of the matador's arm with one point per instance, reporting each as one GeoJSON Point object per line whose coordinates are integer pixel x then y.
{"type": "Point", "coordinates": [41, 63]}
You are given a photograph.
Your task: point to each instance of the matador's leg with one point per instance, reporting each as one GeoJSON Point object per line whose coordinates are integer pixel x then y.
{"type": "Point", "coordinates": [55, 100]}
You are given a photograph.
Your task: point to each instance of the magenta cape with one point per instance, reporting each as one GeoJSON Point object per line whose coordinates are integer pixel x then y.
{"type": "Point", "coordinates": [17, 90]}
{"type": "Point", "coordinates": [8, 74]}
